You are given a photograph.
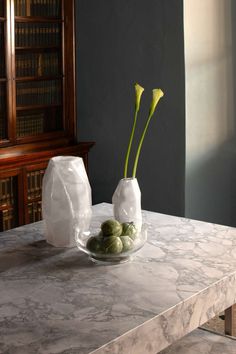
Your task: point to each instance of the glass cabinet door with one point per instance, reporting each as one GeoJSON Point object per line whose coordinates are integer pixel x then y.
{"type": "Point", "coordinates": [3, 72]}
{"type": "Point", "coordinates": [36, 71]}
{"type": "Point", "coordinates": [38, 67]}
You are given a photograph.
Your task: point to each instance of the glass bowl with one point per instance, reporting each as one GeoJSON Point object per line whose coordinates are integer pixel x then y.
{"type": "Point", "coordinates": [103, 255]}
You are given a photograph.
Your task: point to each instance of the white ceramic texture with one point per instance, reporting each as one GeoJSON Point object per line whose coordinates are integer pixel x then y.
{"type": "Point", "coordinates": [126, 202]}
{"type": "Point", "coordinates": [66, 200]}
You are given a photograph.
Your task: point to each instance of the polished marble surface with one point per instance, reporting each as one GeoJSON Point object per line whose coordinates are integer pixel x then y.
{"type": "Point", "coordinates": [56, 300]}
{"type": "Point", "coordinates": [202, 342]}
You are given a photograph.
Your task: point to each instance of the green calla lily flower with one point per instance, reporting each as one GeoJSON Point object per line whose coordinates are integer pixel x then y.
{"type": "Point", "coordinates": [138, 94]}
{"type": "Point", "coordinates": [157, 94]}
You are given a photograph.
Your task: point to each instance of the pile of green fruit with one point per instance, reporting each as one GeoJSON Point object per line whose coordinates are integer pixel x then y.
{"type": "Point", "coordinates": [113, 238]}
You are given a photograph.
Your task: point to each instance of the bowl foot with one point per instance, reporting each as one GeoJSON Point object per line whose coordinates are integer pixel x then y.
{"type": "Point", "coordinates": [109, 260]}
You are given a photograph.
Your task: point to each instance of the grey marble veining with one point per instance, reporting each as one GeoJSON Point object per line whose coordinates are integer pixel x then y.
{"type": "Point", "coordinates": [55, 300]}
{"type": "Point", "coordinates": [202, 342]}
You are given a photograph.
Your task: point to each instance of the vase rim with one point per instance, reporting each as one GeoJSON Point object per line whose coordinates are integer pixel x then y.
{"type": "Point", "coordinates": [128, 178]}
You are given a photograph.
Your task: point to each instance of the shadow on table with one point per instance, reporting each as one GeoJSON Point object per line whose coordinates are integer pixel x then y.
{"type": "Point", "coordinates": [73, 260]}
{"type": "Point", "coordinates": [41, 253]}
{"type": "Point", "coordinates": [27, 254]}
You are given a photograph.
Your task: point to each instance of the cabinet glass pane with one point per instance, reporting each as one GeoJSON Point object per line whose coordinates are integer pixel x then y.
{"type": "Point", "coordinates": [35, 122]}
{"type": "Point", "coordinates": [8, 191]}
{"type": "Point", "coordinates": [38, 64]}
{"type": "Point", "coordinates": [34, 93]}
{"type": "Point", "coordinates": [2, 51]}
{"type": "Point", "coordinates": [8, 219]}
{"type": "Point", "coordinates": [2, 8]}
{"type": "Point", "coordinates": [8, 203]}
{"type": "Point", "coordinates": [3, 124]}
{"type": "Point", "coordinates": [43, 8]}
{"type": "Point", "coordinates": [41, 34]}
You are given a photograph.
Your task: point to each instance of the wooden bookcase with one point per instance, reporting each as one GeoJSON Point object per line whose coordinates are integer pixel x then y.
{"type": "Point", "coordinates": [37, 101]}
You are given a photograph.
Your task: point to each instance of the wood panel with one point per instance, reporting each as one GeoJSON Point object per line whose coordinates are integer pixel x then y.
{"type": "Point", "coordinates": [230, 321]}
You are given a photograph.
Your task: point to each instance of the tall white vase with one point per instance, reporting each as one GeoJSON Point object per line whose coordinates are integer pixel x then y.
{"type": "Point", "coordinates": [66, 200]}
{"type": "Point", "coordinates": [127, 202]}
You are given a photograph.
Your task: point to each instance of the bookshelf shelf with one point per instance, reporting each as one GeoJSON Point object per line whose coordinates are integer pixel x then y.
{"type": "Point", "coordinates": [35, 199]}
{"type": "Point", "coordinates": [39, 48]}
{"type": "Point", "coordinates": [6, 207]}
{"type": "Point", "coordinates": [38, 19]}
{"type": "Point", "coordinates": [39, 78]}
{"type": "Point", "coordinates": [37, 117]}
{"type": "Point", "coordinates": [33, 107]}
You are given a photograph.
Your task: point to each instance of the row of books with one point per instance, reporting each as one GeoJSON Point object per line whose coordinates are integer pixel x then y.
{"type": "Point", "coordinates": [38, 93]}
{"type": "Point", "coordinates": [34, 184]}
{"type": "Point", "coordinates": [38, 8]}
{"type": "Point", "coordinates": [38, 64]}
{"type": "Point", "coordinates": [35, 211]}
{"type": "Point", "coordinates": [31, 124]}
{"type": "Point", "coordinates": [7, 191]}
{"type": "Point", "coordinates": [8, 219]}
{"type": "Point", "coordinates": [37, 34]}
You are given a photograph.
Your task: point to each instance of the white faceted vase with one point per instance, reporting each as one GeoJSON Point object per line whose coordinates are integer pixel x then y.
{"type": "Point", "coordinates": [66, 200]}
{"type": "Point", "coordinates": [127, 202]}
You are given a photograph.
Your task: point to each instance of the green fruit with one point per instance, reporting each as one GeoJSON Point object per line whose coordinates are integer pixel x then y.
{"type": "Point", "coordinates": [111, 228]}
{"type": "Point", "coordinates": [112, 245]}
{"type": "Point", "coordinates": [129, 229]}
{"type": "Point", "coordinates": [94, 244]}
{"type": "Point", "coordinates": [127, 242]}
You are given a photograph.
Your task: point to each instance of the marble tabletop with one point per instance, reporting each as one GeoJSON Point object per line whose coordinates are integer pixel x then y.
{"type": "Point", "coordinates": [55, 300]}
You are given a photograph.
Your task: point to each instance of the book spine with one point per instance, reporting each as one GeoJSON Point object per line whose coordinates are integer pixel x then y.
{"type": "Point", "coordinates": [30, 212]}
{"type": "Point", "coordinates": [35, 211]}
{"type": "Point", "coordinates": [27, 7]}
{"type": "Point", "coordinates": [34, 180]}
{"type": "Point", "coordinates": [5, 220]}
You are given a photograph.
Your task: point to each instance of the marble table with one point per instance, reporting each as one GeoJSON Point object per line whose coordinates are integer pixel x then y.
{"type": "Point", "coordinates": [55, 300]}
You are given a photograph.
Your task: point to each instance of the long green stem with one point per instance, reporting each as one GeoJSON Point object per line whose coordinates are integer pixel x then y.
{"type": "Point", "coordinates": [140, 146]}
{"type": "Point", "coordinates": [130, 142]}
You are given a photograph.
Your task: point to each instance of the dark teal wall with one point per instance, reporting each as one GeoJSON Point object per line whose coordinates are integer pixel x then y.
{"type": "Point", "coordinates": [120, 42]}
